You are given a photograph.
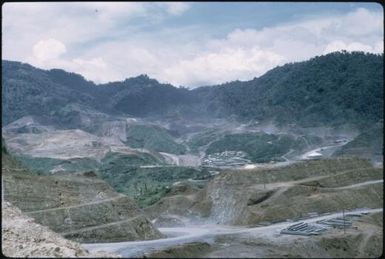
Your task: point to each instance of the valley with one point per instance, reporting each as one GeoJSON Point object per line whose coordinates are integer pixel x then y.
{"type": "Point", "coordinates": [142, 169]}
{"type": "Point", "coordinates": [235, 215]}
{"type": "Point", "coordinates": [133, 154]}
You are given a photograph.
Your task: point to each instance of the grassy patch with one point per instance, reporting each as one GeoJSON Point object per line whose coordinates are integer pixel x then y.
{"type": "Point", "coordinates": [147, 185]}
{"type": "Point", "coordinates": [368, 143]}
{"type": "Point", "coordinates": [153, 138]}
{"type": "Point", "coordinates": [44, 165]}
{"type": "Point", "coordinates": [260, 147]}
{"type": "Point", "coordinates": [202, 139]}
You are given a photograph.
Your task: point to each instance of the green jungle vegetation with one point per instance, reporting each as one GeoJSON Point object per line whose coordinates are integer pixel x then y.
{"type": "Point", "coordinates": [261, 147]}
{"type": "Point", "coordinates": [147, 185]}
{"type": "Point", "coordinates": [370, 142]}
{"type": "Point", "coordinates": [326, 90]}
{"type": "Point", "coordinates": [153, 138]}
{"type": "Point", "coordinates": [202, 139]}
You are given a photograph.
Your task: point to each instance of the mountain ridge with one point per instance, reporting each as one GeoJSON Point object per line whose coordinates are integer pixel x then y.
{"type": "Point", "coordinates": [145, 76]}
{"type": "Point", "coordinates": [331, 89]}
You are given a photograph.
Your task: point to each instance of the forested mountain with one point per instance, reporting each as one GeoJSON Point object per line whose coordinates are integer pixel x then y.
{"type": "Point", "coordinates": [142, 96]}
{"type": "Point", "coordinates": [30, 91]}
{"type": "Point", "coordinates": [330, 90]}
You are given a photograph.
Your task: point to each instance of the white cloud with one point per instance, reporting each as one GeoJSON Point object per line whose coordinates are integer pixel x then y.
{"type": "Point", "coordinates": [48, 49]}
{"type": "Point", "coordinates": [177, 8]}
{"type": "Point", "coordinates": [224, 65]}
{"type": "Point", "coordinates": [379, 47]}
{"type": "Point", "coordinates": [95, 68]}
{"type": "Point", "coordinates": [104, 42]}
{"type": "Point", "coordinates": [353, 46]}
{"type": "Point", "coordinates": [247, 53]}
{"type": "Point", "coordinates": [74, 23]}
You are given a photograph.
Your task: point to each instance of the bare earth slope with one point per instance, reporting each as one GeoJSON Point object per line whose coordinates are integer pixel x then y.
{"type": "Point", "coordinates": [83, 208]}
{"type": "Point", "coordinates": [252, 196]}
{"type": "Point", "coordinates": [241, 213]}
{"type": "Point", "coordinates": [249, 197]}
{"type": "Point", "coordinates": [22, 237]}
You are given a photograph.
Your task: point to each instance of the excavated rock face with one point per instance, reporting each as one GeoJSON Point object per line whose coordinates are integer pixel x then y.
{"type": "Point", "coordinates": [22, 237]}
{"type": "Point", "coordinates": [183, 203]}
{"type": "Point", "coordinates": [251, 196]}
{"type": "Point", "coordinates": [165, 221]}
{"type": "Point", "coordinates": [228, 200]}
{"type": "Point", "coordinates": [85, 209]}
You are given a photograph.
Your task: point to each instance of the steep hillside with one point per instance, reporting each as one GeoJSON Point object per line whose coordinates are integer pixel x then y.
{"type": "Point", "coordinates": [48, 150]}
{"type": "Point", "coordinates": [141, 96]}
{"type": "Point", "coordinates": [249, 197]}
{"type": "Point", "coordinates": [54, 95]}
{"type": "Point", "coordinates": [259, 147]}
{"type": "Point", "coordinates": [146, 184]}
{"type": "Point", "coordinates": [253, 196]}
{"type": "Point", "coordinates": [30, 91]}
{"type": "Point", "coordinates": [22, 237]}
{"type": "Point", "coordinates": [326, 90]}
{"type": "Point", "coordinates": [79, 207]}
{"type": "Point", "coordinates": [152, 138]}
{"type": "Point", "coordinates": [369, 144]}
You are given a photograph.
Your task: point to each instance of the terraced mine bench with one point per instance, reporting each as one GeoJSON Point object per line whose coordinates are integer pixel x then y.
{"type": "Point", "coordinates": [303, 229]}
{"type": "Point", "coordinates": [353, 216]}
{"type": "Point", "coordinates": [336, 222]}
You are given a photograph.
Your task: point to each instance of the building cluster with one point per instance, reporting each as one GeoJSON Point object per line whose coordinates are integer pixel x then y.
{"type": "Point", "coordinates": [226, 159]}
{"type": "Point", "coordinates": [320, 226]}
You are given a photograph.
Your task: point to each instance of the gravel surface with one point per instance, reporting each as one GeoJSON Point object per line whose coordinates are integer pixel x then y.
{"type": "Point", "coordinates": [22, 237]}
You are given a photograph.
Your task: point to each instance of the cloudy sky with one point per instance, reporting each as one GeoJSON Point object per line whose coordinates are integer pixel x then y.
{"type": "Point", "coordinates": [182, 43]}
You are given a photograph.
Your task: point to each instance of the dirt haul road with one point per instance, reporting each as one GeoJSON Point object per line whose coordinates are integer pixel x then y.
{"type": "Point", "coordinates": [204, 233]}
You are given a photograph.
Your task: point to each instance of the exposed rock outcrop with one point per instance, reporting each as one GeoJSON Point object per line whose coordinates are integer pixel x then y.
{"type": "Point", "coordinates": [251, 196]}
{"type": "Point", "coordinates": [22, 237]}
{"type": "Point", "coordinates": [164, 221]}
{"type": "Point", "coordinates": [183, 201]}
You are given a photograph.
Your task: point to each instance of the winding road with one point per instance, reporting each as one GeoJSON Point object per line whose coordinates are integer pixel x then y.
{"type": "Point", "coordinates": [203, 233]}
{"type": "Point", "coordinates": [119, 196]}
